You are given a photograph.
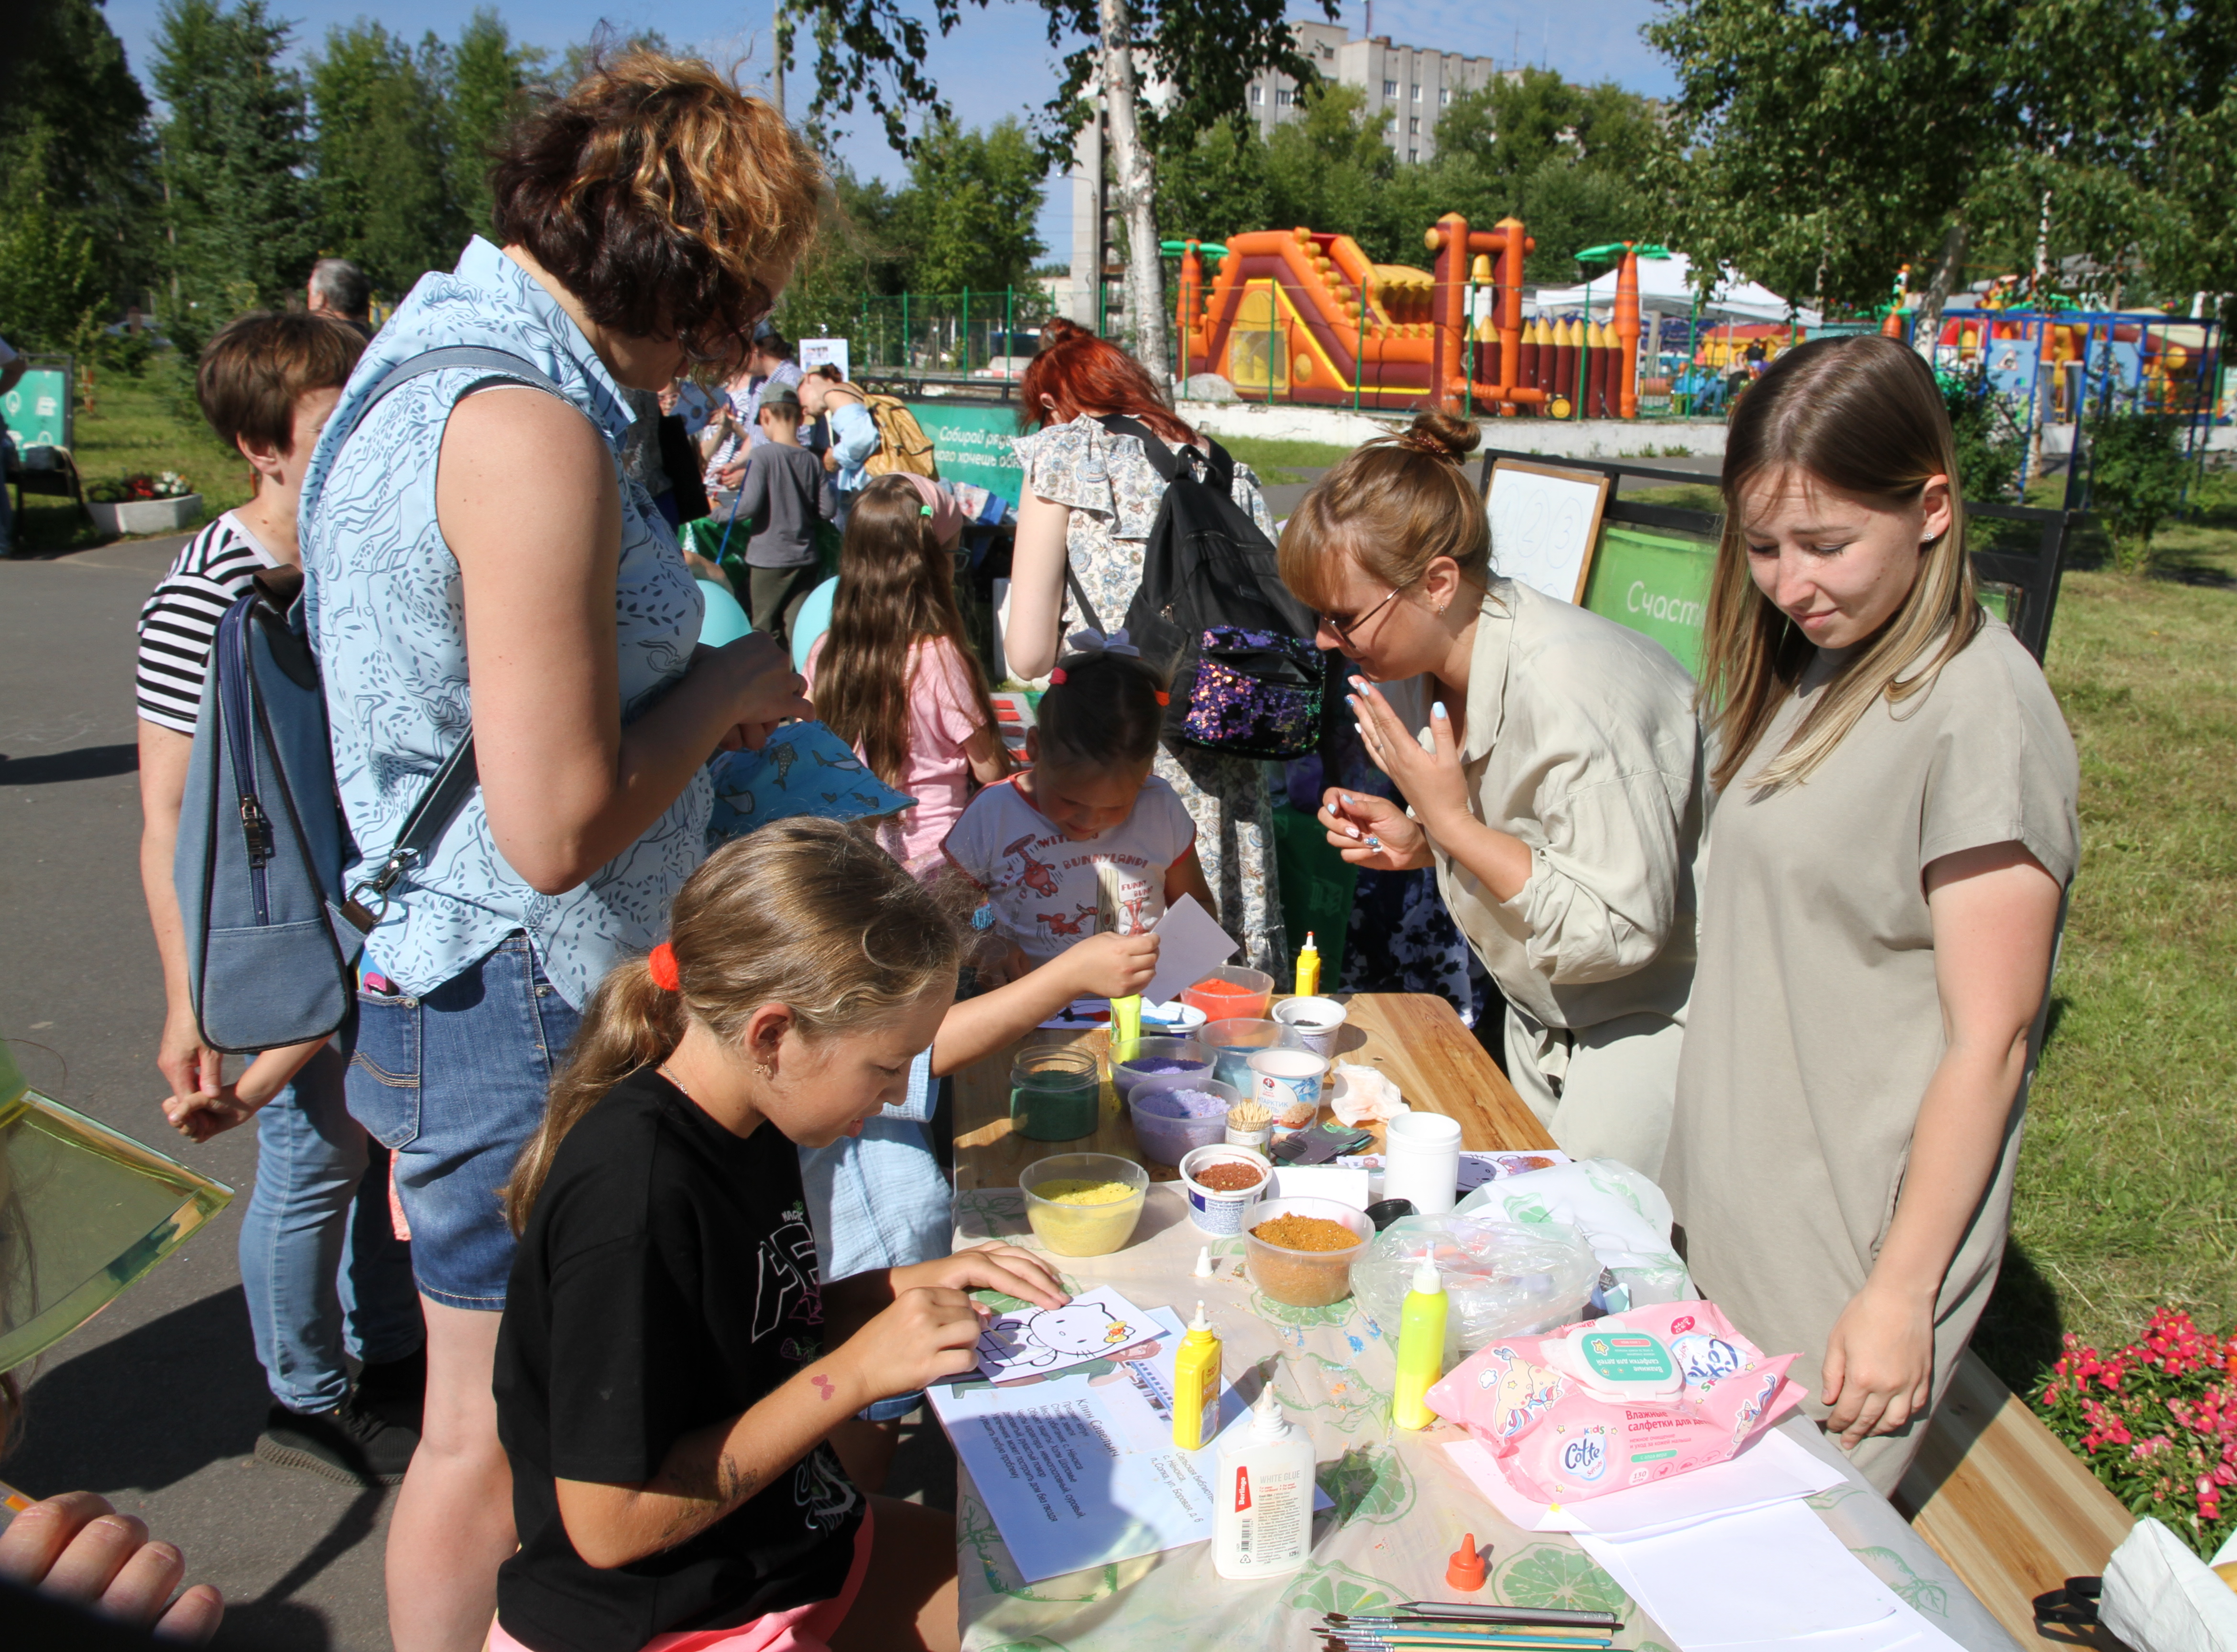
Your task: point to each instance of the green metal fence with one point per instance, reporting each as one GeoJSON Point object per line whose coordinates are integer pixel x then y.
{"type": "Point", "coordinates": [947, 333]}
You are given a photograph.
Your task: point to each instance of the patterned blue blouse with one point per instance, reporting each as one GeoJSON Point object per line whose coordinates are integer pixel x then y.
{"type": "Point", "coordinates": [387, 617]}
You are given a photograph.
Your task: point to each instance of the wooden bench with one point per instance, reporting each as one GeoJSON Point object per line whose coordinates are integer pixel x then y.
{"type": "Point", "coordinates": [2000, 1498]}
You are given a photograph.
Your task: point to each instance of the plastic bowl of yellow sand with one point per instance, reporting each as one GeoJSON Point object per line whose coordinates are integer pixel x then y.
{"type": "Point", "coordinates": [1084, 1204]}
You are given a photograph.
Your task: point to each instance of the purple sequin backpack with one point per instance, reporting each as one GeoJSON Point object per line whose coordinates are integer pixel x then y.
{"type": "Point", "coordinates": [1247, 679]}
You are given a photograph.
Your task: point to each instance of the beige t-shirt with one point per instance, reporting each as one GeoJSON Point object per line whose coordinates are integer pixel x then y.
{"type": "Point", "coordinates": [1816, 1020]}
{"type": "Point", "coordinates": [1580, 739]}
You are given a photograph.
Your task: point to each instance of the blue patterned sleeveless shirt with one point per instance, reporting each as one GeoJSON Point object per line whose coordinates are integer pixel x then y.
{"type": "Point", "coordinates": [387, 617]}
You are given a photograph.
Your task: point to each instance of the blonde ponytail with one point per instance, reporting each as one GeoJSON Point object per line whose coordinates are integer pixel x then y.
{"type": "Point", "coordinates": [804, 912]}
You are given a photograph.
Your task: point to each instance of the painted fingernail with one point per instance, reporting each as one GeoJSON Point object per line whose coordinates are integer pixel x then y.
{"type": "Point", "coordinates": [1437, 709]}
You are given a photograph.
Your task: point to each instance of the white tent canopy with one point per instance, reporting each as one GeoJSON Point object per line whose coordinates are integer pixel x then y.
{"type": "Point", "coordinates": [1664, 288]}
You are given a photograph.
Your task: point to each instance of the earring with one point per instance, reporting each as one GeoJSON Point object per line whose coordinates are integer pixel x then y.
{"type": "Point", "coordinates": [1442, 606]}
{"type": "Point", "coordinates": [766, 1071]}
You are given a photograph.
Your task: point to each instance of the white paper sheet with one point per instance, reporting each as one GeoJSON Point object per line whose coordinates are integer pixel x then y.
{"type": "Point", "coordinates": [1095, 1325]}
{"type": "Point", "coordinates": [1344, 1185]}
{"type": "Point", "coordinates": [1191, 945]}
{"type": "Point", "coordinates": [1762, 1575]}
{"type": "Point", "coordinates": [1080, 1469]}
{"type": "Point", "coordinates": [1774, 1469]}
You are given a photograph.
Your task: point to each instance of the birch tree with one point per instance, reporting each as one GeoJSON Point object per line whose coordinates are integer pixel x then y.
{"type": "Point", "coordinates": [1202, 54]}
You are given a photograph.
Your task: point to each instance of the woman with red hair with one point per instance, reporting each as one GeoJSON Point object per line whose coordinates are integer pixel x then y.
{"type": "Point", "coordinates": [1090, 497]}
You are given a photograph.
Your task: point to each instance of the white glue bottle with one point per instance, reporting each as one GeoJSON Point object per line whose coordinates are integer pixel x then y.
{"type": "Point", "coordinates": [1263, 1507]}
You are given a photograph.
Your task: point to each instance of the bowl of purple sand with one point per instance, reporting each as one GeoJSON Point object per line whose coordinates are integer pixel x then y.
{"type": "Point", "coordinates": [1159, 1058]}
{"type": "Point", "coordinates": [1175, 1114]}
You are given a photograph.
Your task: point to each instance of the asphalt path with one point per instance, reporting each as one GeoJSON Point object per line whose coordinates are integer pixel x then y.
{"type": "Point", "coordinates": [157, 1403]}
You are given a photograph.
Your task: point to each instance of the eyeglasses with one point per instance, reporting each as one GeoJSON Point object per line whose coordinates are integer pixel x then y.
{"type": "Point", "coordinates": [1345, 630]}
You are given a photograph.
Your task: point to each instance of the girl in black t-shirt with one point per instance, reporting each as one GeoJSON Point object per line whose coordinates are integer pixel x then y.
{"type": "Point", "coordinates": [670, 1366]}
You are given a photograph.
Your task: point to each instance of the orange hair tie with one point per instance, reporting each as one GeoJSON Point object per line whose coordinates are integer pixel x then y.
{"type": "Point", "coordinates": [662, 963]}
{"type": "Point", "coordinates": [1165, 699]}
{"type": "Point", "coordinates": [1057, 675]}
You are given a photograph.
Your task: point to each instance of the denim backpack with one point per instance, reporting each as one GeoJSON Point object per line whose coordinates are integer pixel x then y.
{"type": "Point", "coordinates": [272, 935]}
{"type": "Point", "coordinates": [1247, 679]}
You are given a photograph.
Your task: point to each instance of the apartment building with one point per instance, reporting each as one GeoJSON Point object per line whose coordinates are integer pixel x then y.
{"type": "Point", "coordinates": [1411, 83]}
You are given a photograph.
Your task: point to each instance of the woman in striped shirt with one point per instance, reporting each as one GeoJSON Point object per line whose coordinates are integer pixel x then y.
{"type": "Point", "coordinates": [266, 384]}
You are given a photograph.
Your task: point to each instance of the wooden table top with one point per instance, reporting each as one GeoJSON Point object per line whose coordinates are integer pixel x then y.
{"type": "Point", "coordinates": [1414, 1038]}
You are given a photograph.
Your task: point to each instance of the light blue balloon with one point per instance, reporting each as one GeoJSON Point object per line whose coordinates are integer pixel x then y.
{"type": "Point", "coordinates": [724, 620]}
{"type": "Point", "coordinates": [812, 621]}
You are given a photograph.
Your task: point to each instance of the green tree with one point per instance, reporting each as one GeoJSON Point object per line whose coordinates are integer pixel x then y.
{"type": "Point", "coordinates": [74, 126]}
{"type": "Point", "coordinates": [976, 196]}
{"type": "Point", "coordinates": [383, 177]}
{"type": "Point", "coordinates": [490, 79]}
{"type": "Point", "coordinates": [237, 219]}
{"type": "Point", "coordinates": [1826, 143]}
{"type": "Point", "coordinates": [51, 288]}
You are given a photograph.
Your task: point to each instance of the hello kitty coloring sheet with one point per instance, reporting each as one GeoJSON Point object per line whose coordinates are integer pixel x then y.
{"type": "Point", "coordinates": [1034, 1341]}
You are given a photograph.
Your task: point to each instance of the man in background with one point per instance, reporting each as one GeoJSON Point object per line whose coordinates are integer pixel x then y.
{"type": "Point", "coordinates": [339, 289]}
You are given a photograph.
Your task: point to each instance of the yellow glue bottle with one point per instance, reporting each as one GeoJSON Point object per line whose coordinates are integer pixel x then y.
{"type": "Point", "coordinates": [1196, 1386]}
{"type": "Point", "coordinates": [1421, 1347]}
{"type": "Point", "coordinates": [1309, 969]}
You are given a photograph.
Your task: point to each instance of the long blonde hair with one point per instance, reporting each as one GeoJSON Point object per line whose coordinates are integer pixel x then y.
{"type": "Point", "coordinates": [804, 912]}
{"type": "Point", "coordinates": [1864, 417]}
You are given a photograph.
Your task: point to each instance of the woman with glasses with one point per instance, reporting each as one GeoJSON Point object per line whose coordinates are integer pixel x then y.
{"type": "Point", "coordinates": [478, 567]}
{"type": "Point", "coordinates": [1550, 763]}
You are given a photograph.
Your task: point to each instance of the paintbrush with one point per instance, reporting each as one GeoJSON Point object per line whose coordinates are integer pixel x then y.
{"type": "Point", "coordinates": [1125, 1013]}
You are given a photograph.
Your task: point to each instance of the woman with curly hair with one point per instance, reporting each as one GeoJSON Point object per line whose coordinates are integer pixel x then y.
{"type": "Point", "coordinates": [478, 569]}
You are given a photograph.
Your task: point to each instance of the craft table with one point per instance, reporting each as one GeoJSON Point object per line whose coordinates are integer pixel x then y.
{"type": "Point", "coordinates": [1401, 1507]}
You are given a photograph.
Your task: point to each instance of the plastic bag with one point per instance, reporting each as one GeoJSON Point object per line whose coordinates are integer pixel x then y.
{"type": "Point", "coordinates": [1621, 1214]}
{"type": "Point", "coordinates": [1620, 1402]}
{"type": "Point", "coordinates": [1500, 1280]}
{"type": "Point", "coordinates": [2161, 1597]}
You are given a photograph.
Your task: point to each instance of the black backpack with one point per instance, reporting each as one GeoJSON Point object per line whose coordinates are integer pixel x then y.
{"type": "Point", "coordinates": [1247, 679]}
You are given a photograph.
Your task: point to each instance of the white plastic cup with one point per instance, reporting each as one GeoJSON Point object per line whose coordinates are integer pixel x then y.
{"type": "Point", "coordinates": [1421, 1162]}
{"type": "Point", "coordinates": [1314, 1022]}
{"type": "Point", "coordinates": [1288, 1083]}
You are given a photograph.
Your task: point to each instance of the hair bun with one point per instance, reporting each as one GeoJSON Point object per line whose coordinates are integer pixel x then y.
{"type": "Point", "coordinates": [1447, 436]}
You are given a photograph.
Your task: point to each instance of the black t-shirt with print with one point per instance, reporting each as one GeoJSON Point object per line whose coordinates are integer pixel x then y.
{"type": "Point", "coordinates": [667, 1280]}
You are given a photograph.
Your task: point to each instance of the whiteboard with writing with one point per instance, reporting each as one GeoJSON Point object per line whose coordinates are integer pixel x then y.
{"type": "Point", "coordinates": [1544, 522]}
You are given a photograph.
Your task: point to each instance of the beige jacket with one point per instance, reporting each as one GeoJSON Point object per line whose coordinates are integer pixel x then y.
{"type": "Point", "coordinates": [1580, 740]}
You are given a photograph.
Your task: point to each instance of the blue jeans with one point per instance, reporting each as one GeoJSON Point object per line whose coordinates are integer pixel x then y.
{"type": "Point", "coordinates": [321, 1264]}
{"type": "Point", "coordinates": [454, 1084]}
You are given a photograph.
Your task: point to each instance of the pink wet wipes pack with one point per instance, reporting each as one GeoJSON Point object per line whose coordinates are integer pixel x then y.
{"type": "Point", "coordinates": [1617, 1402]}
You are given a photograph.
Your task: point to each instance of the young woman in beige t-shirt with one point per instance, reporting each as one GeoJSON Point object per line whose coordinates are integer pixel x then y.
{"type": "Point", "coordinates": [1892, 836]}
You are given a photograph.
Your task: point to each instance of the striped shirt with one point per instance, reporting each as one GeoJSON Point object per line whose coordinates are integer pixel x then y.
{"type": "Point", "coordinates": [179, 620]}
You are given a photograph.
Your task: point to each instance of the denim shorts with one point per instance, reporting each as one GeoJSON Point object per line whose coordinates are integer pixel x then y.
{"type": "Point", "coordinates": [454, 1084]}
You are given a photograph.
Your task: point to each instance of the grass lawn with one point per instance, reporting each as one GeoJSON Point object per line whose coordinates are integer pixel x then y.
{"type": "Point", "coordinates": [1278, 461]}
{"type": "Point", "coordinates": [148, 424]}
{"type": "Point", "coordinates": [2129, 1165]}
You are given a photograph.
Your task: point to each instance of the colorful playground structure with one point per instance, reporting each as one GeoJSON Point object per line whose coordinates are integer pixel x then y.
{"type": "Point", "coordinates": [1305, 317]}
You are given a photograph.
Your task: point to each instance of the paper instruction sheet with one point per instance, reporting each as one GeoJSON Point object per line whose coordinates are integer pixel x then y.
{"type": "Point", "coordinates": [1078, 1468]}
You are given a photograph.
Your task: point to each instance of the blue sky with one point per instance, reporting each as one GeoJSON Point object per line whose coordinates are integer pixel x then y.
{"type": "Point", "coordinates": [998, 61]}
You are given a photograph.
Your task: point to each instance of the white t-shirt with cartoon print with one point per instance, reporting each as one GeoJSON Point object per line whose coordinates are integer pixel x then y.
{"type": "Point", "coordinates": [1041, 884]}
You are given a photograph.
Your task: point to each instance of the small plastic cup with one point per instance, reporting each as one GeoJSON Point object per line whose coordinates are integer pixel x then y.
{"type": "Point", "coordinates": [1259, 1135]}
{"type": "Point", "coordinates": [1232, 993]}
{"type": "Point", "coordinates": [1084, 1229]}
{"type": "Point", "coordinates": [1287, 1083]}
{"type": "Point", "coordinates": [1313, 1024]}
{"type": "Point", "coordinates": [1055, 1091]}
{"type": "Point", "coordinates": [1304, 1278]}
{"type": "Point", "coordinates": [1233, 1042]}
{"type": "Point", "coordinates": [1218, 1211]}
{"type": "Point", "coordinates": [1159, 1058]}
{"type": "Point", "coordinates": [1162, 1130]}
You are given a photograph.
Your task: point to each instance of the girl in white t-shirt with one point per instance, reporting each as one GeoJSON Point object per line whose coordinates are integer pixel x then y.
{"type": "Point", "coordinates": [1033, 842]}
